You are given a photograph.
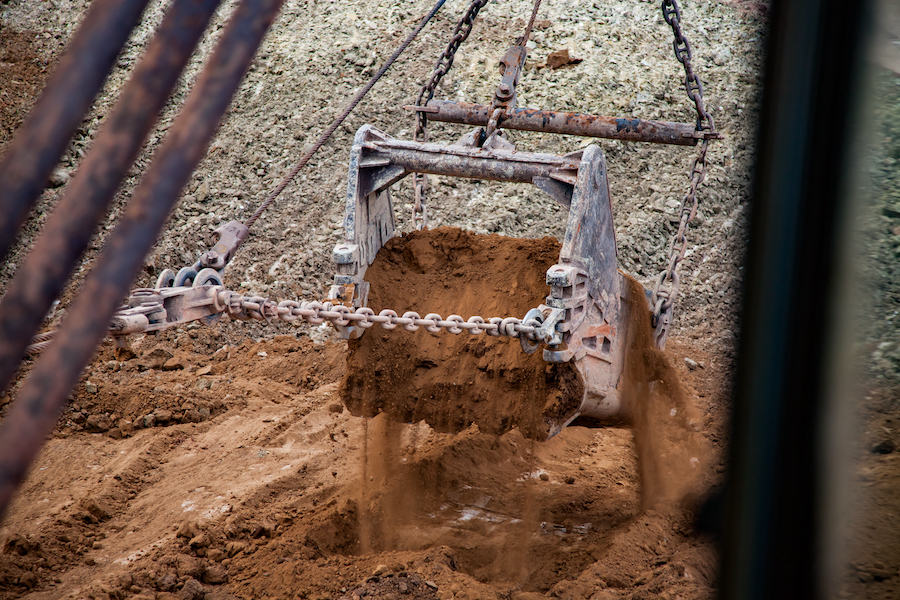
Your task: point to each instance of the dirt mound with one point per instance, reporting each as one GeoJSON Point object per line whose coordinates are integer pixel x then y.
{"type": "Point", "coordinates": [452, 381]}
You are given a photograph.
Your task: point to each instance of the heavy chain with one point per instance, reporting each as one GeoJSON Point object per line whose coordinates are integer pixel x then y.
{"type": "Point", "coordinates": [460, 33]}
{"type": "Point", "coordinates": [666, 287]}
{"type": "Point", "coordinates": [341, 316]}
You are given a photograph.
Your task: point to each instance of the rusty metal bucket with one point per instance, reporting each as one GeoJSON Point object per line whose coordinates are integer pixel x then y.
{"type": "Point", "coordinates": [584, 319]}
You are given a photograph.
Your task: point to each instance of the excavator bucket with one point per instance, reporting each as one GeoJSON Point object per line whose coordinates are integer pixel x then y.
{"type": "Point", "coordinates": [585, 318]}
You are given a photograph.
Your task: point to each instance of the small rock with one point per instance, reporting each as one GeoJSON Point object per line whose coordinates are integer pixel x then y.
{"type": "Point", "coordinates": [173, 364]}
{"type": "Point", "coordinates": [203, 384]}
{"type": "Point", "coordinates": [166, 583]}
{"type": "Point", "coordinates": [91, 388]}
{"type": "Point", "coordinates": [569, 479]}
{"type": "Point", "coordinates": [561, 58]}
{"type": "Point", "coordinates": [28, 579]}
{"type": "Point", "coordinates": [126, 427]}
{"type": "Point", "coordinates": [115, 433]}
{"type": "Point", "coordinates": [215, 575]}
{"type": "Point", "coordinates": [59, 177]}
{"type": "Point", "coordinates": [336, 407]}
{"type": "Point", "coordinates": [884, 446]}
{"type": "Point", "coordinates": [97, 546]}
{"type": "Point", "coordinates": [381, 570]}
{"type": "Point", "coordinates": [188, 530]}
{"type": "Point", "coordinates": [97, 423]}
{"type": "Point", "coordinates": [192, 590]}
{"type": "Point", "coordinates": [204, 370]}
{"type": "Point", "coordinates": [162, 415]}
{"type": "Point", "coordinates": [200, 541]}
{"type": "Point", "coordinates": [155, 359]}
{"type": "Point", "coordinates": [234, 548]}
{"type": "Point", "coordinates": [691, 364]}
{"type": "Point", "coordinates": [216, 555]}
{"type": "Point", "coordinates": [260, 531]}
{"type": "Point", "coordinates": [544, 477]}
{"type": "Point", "coordinates": [188, 566]}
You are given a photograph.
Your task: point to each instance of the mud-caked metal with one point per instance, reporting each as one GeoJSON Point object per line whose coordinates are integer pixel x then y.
{"type": "Point", "coordinates": [584, 319]}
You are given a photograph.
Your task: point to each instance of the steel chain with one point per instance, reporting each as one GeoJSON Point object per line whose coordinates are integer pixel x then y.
{"type": "Point", "coordinates": [666, 286]}
{"type": "Point", "coordinates": [261, 309]}
{"type": "Point", "coordinates": [460, 33]}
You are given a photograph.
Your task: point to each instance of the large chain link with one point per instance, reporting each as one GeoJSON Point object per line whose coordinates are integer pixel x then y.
{"type": "Point", "coordinates": [460, 33]}
{"type": "Point", "coordinates": [666, 287]}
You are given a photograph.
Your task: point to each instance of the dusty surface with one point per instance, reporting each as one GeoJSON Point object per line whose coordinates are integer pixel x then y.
{"type": "Point", "coordinates": [219, 463]}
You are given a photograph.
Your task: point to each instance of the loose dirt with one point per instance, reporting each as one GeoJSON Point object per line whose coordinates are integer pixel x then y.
{"type": "Point", "coordinates": [218, 462]}
{"type": "Point", "coordinates": [452, 381]}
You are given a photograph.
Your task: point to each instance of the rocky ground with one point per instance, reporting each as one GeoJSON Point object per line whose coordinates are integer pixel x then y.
{"type": "Point", "coordinates": [219, 462]}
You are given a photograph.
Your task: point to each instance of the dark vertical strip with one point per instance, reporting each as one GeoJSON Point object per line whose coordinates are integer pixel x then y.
{"type": "Point", "coordinates": [774, 493]}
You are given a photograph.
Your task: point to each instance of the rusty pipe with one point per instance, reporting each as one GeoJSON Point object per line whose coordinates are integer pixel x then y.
{"type": "Point", "coordinates": [39, 403]}
{"type": "Point", "coordinates": [465, 163]}
{"type": "Point", "coordinates": [41, 276]}
{"type": "Point", "coordinates": [531, 119]}
{"type": "Point", "coordinates": [42, 138]}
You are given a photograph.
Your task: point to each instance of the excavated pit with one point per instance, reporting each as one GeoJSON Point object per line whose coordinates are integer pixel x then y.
{"type": "Point", "coordinates": [451, 381]}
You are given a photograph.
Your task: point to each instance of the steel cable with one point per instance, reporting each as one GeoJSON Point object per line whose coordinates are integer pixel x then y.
{"type": "Point", "coordinates": [344, 114]}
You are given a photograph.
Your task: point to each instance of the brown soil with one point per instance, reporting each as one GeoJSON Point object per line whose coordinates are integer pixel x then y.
{"type": "Point", "coordinates": [221, 471]}
{"type": "Point", "coordinates": [218, 462]}
{"type": "Point", "coordinates": [452, 381]}
{"type": "Point", "coordinates": [22, 74]}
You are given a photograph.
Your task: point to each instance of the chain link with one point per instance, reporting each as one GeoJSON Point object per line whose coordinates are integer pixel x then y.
{"type": "Point", "coordinates": [460, 33]}
{"type": "Point", "coordinates": [666, 286]}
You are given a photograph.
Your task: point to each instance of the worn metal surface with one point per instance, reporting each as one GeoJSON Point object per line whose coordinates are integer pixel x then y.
{"type": "Point", "coordinates": [504, 100]}
{"type": "Point", "coordinates": [38, 404]}
{"type": "Point", "coordinates": [69, 229]}
{"type": "Point", "coordinates": [530, 119]}
{"type": "Point", "coordinates": [42, 138]}
{"type": "Point", "coordinates": [229, 238]}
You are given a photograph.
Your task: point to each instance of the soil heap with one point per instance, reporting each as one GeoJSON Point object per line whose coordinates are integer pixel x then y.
{"type": "Point", "coordinates": [452, 381]}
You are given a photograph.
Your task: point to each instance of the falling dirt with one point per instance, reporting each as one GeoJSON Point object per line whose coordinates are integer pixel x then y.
{"type": "Point", "coordinates": [452, 381]}
{"type": "Point", "coordinates": [671, 453]}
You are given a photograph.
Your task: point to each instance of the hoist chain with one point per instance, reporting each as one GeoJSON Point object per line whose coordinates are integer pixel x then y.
{"type": "Point", "coordinates": [460, 33]}
{"type": "Point", "coordinates": [364, 317]}
{"type": "Point", "coordinates": [665, 288]}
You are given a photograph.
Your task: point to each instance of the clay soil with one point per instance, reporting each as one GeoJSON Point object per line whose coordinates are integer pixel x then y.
{"type": "Point", "coordinates": [220, 461]}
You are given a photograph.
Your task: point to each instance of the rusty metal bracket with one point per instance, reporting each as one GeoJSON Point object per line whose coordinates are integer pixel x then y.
{"type": "Point", "coordinates": [229, 238]}
{"type": "Point", "coordinates": [505, 95]}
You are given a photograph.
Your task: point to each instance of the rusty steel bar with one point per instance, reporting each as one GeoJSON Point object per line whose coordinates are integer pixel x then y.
{"type": "Point", "coordinates": [531, 119]}
{"type": "Point", "coordinates": [40, 278]}
{"type": "Point", "coordinates": [519, 167]}
{"type": "Point", "coordinates": [42, 138]}
{"type": "Point", "coordinates": [38, 404]}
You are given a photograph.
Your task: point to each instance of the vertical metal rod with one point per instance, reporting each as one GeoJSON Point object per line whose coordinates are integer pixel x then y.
{"type": "Point", "coordinates": [42, 138]}
{"type": "Point", "coordinates": [38, 405]}
{"type": "Point", "coordinates": [41, 276]}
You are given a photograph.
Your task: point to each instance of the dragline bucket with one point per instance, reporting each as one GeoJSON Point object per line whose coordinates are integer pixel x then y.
{"type": "Point", "coordinates": [585, 318]}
